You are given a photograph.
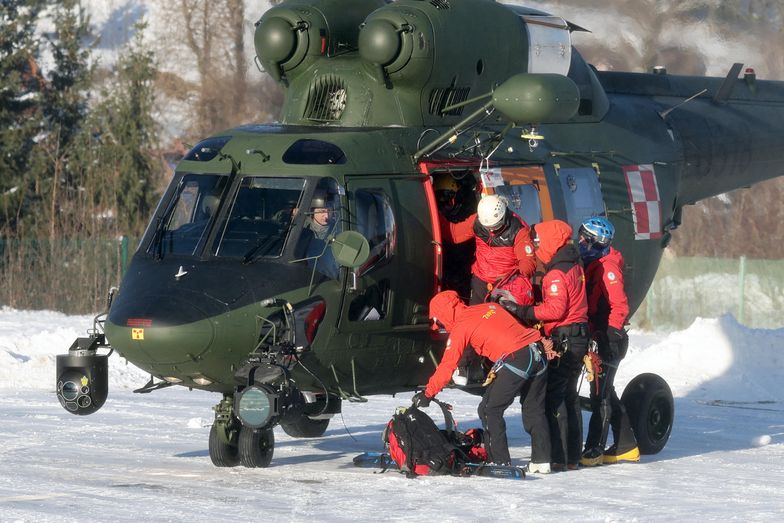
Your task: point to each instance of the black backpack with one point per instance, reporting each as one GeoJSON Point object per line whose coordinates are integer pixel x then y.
{"type": "Point", "coordinates": [418, 446]}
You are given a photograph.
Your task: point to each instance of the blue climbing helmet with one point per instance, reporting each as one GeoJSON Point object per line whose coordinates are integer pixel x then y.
{"type": "Point", "coordinates": [595, 236]}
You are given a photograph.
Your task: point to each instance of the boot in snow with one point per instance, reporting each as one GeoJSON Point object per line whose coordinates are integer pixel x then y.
{"type": "Point", "coordinates": [537, 468]}
{"type": "Point", "coordinates": [613, 456]}
{"type": "Point", "coordinates": [592, 457]}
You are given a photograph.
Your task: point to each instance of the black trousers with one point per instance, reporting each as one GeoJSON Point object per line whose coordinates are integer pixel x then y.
{"type": "Point", "coordinates": [562, 406]}
{"type": "Point", "coordinates": [501, 393]}
{"type": "Point", "coordinates": [606, 408]}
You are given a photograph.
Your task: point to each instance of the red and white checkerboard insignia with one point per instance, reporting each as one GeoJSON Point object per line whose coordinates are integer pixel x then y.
{"type": "Point", "coordinates": [646, 204]}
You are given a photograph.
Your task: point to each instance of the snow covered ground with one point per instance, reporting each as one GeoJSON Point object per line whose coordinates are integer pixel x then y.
{"type": "Point", "coordinates": [145, 458]}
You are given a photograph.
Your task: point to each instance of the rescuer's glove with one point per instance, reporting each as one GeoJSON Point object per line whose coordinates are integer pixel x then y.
{"type": "Point", "coordinates": [617, 343]}
{"type": "Point", "coordinates": [420, 400]}
{"type": "Point", "coordinates": [511, 307]}
{"type": "Point", "coordinates": [524, 313]}
{"type": "Point", "coordinates": [527, 315]}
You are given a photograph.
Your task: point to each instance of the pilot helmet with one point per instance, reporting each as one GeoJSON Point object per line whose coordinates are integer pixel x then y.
{"type": "Point", "coordinates": [491, 211]}
{"type": "Point", "coordinates": [321, 200]}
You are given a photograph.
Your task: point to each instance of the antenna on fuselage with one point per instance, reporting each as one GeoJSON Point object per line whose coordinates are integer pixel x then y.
{"type": "Point", "coordinates": [664, 114]}
{"type": "Point", "coordinates": [728, 85]}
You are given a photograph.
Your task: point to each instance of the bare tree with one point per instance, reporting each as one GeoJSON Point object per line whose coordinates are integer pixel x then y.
{"type": "Point", "coordinates": [235, 10]}
{"type": "Point", "coordinates": [197, 15]}
{"type": "Point", "coordinates": [215, 36]}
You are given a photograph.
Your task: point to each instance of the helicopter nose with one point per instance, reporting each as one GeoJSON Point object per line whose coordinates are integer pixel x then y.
{"type": "Point", "coordinates": [166, 329]}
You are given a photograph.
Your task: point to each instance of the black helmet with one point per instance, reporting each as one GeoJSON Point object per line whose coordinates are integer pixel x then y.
{"type": "Point", "coordinates": [320, 199]}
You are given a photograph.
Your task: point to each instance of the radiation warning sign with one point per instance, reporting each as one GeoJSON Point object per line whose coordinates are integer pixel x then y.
{"type": "Point", "coordinates": [137, 334]}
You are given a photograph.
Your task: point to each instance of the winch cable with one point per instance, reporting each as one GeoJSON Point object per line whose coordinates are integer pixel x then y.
{"type": "Point", "coordinates": [323, 385]}
{"type": "Point", "coordinates": [326, 402]}
{"type": "Point", "coordinates": [350, 435]}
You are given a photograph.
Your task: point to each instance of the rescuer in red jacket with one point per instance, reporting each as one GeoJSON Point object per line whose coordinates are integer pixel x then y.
{"type": "Point", "coordinates": [520, 368]}
{"type": "Point", "coordinates": [503, 244]}
{"type": "Point", "coordinates": [608, 309]}
{"type": "Point", "coordinates": [564, 315]}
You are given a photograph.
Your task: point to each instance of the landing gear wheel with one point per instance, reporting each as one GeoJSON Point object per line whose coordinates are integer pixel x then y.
{"type": "Point", "coordinates": [256, 447]}
{"type": "Point", "coordinates": [222, 452]}
{"type": "Point", "coordinates": [304, 427]}
{"type": "Point", "coordinates": [649, 404]}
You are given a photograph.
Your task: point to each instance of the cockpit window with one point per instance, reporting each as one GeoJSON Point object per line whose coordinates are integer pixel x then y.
{"type": "Point", "coordinates": [314, 152]}
{"type": "Point", "coordinates": [186, 220]}
{"type": "Point", "coordinates": [260, 217]}
{"type": "Point", "coordinates": [376, 221]}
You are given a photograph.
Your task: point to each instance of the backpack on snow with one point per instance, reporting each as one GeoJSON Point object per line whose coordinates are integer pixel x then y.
{"type": "Point", "coordinates": [418, 447]}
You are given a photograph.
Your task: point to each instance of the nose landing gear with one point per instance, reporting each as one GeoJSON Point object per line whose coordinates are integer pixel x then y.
{"type": "Point", "coordinates": [247, 440]}
{"type": "Point", "coordinates": [256, 447]}
{"type": "Point", "coordinates": [224, 435]}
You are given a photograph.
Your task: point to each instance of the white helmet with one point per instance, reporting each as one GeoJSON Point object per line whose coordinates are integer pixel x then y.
{"type": "Point", "coordinates": [491, 211]}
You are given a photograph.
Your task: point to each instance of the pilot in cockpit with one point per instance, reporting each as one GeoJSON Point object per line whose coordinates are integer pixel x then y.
{"type": "Point", "coordinates": [320, 224]}
{"type": "Point", "coordinates": [321, 219]}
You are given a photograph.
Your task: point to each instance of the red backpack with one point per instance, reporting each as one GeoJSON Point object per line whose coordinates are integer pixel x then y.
{"type": "Point", "coordinates": [513, 287]}
{"type": "Point", "coordinates": [418, 447]}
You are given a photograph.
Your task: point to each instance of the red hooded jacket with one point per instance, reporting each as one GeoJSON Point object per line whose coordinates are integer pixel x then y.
{"type": "Point", "coordinates": [487, 327]}
{"type": "Point", "coordinates": [564, 300]}
{"type": "Point", "coordinates": [607, 303]}
{"type": "Point", "coordinates": [496, 255]}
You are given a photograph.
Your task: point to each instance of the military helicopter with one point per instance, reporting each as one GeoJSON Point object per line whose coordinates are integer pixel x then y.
{"type": "Point", "coordinates": [289, 266]}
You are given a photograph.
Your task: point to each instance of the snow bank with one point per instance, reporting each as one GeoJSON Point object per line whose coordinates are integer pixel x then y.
{"type": "Point", "coordinates": [30, 340]}
{"type": "Point", "coordinates": [713, 359]}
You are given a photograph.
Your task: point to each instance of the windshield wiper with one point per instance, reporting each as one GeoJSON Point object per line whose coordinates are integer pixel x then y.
{"type": "Point", "coordinates": [157, 238]}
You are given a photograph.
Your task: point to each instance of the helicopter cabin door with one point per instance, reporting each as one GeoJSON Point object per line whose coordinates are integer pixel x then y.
{"type": "Point", "coordinates": [391, 291]}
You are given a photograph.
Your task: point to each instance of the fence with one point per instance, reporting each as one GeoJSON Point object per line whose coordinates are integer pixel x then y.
{"type": "Point", "coordinates": [72, 276]}
{"type": "Point", "coordinates": [686, 288]}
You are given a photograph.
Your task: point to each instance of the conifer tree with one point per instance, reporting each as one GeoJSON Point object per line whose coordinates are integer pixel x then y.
{"type": "Point", "coordinates": [65, 108]}
{"type": "Point", "coordinates": [70, 79]}
{"type": "Point", "coordinates": [20, 99]}
{"type": "Point", "coordinates": [130, 170]}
